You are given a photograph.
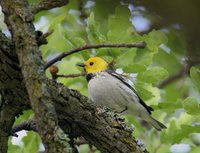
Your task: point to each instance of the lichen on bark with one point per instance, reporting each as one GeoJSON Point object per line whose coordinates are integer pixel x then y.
{"type": "Point", "coordinates": [59, 111]}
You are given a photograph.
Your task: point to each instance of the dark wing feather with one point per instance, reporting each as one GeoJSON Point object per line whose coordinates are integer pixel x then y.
{"type": "Point", "coordinates": [114, 74]}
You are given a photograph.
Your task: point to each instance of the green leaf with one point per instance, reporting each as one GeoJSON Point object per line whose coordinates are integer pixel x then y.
{"type": "Point", "coordinates": [153, 75]}
{"type": "Point", "coordinates": [192, 106]}
{"type": "Point", "coordinates": [13, 148]}
{"type": "Point", "coordinates": [170, 93]}
{"type": "Point", "coordinates": [114, 52]}
{"type": "Point", "coordinates": [142, 90]}
{"type": "Point", "coordinates": [169, 106]}
{"type": "Point", "coordinates": [195, 76]}
{"type": "Point", "coordinates": [135, 68]}
{"type": "Point", "coordinates": [176, 42]}
{"type": "Point", "coordinates": [184, 132]}
{"type": "Point", "coordinates": [144, 57]}
{"type": "Point", "coordinates": [58, 42]}
{"type": "Point", "coordinates": [56, 21]}
{"type": "Point", "coordinates": [126, 58]}
{"type": "Point", "coordinates": [168, 135]}
{"type": "Point", "coordinates": [78, 41]}
{"type": "Point", "coordinates": [174, 134]}
{"type": "Point", "coordinates": [28, 114]}
{"type": "Point", "coordinates": [32, 142]}
{"type": "Point", "coordinates": [172, 61]}
{"type": "Point", "coordinates": [195, 149]}
{"type": "Point", "coordinates": [93, 32]}
{"type": "Point", "coordinates": [102, 10]}
{"type": "Point", "coordinates": [154, 39]}
{"type": "Point", "coordinates": [120, 27]}
{"type": "Point", "coordinates": [108, 59]}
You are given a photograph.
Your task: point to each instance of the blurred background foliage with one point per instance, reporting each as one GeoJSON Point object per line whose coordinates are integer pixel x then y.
{"type": "Point", "coordinates": [166, 73]}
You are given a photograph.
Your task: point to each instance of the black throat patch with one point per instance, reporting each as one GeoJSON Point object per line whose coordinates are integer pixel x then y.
{"type": "Point", "coordinates": [89, 76]}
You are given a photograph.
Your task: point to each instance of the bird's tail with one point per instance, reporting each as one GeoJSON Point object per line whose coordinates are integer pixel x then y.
{"type": "Point", "coordinates": [158, 125]}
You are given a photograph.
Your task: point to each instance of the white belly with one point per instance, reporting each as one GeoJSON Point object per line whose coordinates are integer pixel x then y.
{"type": "Point", "coordinates": [105, 90]}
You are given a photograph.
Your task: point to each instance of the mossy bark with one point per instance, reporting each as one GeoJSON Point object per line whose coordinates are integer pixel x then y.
{"type": "Point", "coordinates": [23, 85]}
{"type": "Point", "coordinates": [19, 20]}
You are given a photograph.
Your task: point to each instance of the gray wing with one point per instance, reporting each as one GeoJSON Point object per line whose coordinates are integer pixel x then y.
{"type": "Point", "coordinates": [117, 76]}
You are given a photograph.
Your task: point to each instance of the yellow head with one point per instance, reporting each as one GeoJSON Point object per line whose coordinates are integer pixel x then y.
{"type": "Point", "coordinates": [94, 65]}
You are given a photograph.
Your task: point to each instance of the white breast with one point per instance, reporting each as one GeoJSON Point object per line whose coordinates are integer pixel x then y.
{"type": "Point", "coordinates": [109, 91]}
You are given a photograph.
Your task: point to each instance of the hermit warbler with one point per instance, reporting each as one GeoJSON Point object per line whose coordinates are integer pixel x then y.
{"type": "Point", "coordinates": [107, 88]}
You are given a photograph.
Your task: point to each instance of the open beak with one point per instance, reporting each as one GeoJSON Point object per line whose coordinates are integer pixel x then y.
{"type": "Point", "coordinates": [81, 65]}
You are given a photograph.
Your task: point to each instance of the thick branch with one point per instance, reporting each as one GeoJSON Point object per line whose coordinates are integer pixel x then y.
{"type": "Point", "coordinates": [61, 56]}
{"type": "Point", "coordinates": [23, 34]}
{"type": "Point", "coordinates": [12, 90]}
{"type": "Point", "coordinates": [48, 4]}
{"type": "Point", "coordinates": [78, 117]}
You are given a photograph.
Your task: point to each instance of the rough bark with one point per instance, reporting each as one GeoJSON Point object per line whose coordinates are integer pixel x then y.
{"type": "Point", "coordinates": [19, 20]}
{"type": "Point", "coordinates": [14, 97]}
{"type": "Point", "coordinates": [23, 85]}
{"type": "Point", "coordinates": [47, 4]}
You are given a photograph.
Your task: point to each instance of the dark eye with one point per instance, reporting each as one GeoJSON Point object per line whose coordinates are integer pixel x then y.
{"type": "Point", "coordinates": [91, 63]}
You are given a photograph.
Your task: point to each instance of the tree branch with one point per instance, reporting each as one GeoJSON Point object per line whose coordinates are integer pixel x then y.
{"type": "Point", "coordinates": [47, 4]}
{"type": "Point", "coordinates": [70, 75]}
{"type": "Point", "coordinates": [11, 88]}
{"type": "Point", "coordinates": [23, 34]}
{"type": "Point", "coordinates": [182, 73]}
{"type": "Point", "coordinates": [62, 55]}
{"type": "Point", "coordinates": [29, 125]}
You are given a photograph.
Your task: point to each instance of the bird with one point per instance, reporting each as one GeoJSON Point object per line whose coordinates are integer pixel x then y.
{"type": "Point", "coordinates": [110, 89]}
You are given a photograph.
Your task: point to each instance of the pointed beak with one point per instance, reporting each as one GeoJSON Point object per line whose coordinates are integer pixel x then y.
{"type": "Point", "coordinates": [81, 65]}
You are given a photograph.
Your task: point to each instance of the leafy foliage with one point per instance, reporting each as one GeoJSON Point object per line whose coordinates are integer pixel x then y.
{"type": "Point", "coordinates": [153, 75]}
{"type": "Point", "coordinates": [177, 105]}
{"type": "Point", "coordinates": [195, 76]}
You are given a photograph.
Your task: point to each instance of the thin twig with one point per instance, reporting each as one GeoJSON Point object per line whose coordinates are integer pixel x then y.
{"type": "Point", "coordinates": [47, 4]}
{"type": "Point", "coordinates": [170, 79]}
{"type": "Point", "coordinates": [61, 56]}
{"type": "Point", "coordinates": [70, 75]}
{"type": "Point", "coordinates": [29, 125]}
{"type": "Point", "coordinates": [48, 33]}
{"type": "Point", "coordinates": [182, 73]}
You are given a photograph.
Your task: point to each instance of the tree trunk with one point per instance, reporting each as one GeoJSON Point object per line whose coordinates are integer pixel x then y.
{"type": "Point", "coordinates": [59, 111]}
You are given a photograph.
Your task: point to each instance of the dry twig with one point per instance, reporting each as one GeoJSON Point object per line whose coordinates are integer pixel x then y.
{"type": "Point", "coordinates": [62, 55]}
